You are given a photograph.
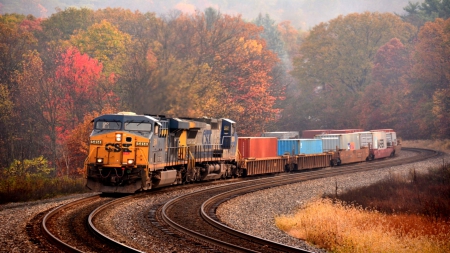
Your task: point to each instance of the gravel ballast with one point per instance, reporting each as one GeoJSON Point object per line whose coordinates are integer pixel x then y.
{"type": "Point", "coordinates": [14, 218]}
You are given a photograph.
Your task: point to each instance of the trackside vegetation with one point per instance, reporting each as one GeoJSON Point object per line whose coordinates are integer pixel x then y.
{"type": "Point", "coordinates": [33, 179]}
{"type": "Point", "coordinates": [398, 214]}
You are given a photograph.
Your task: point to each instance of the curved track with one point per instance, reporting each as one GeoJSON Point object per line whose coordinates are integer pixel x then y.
{"type": "Point", "coordinates": [194, 214]}
{"type": "Point", "coordinates": [66, 227]}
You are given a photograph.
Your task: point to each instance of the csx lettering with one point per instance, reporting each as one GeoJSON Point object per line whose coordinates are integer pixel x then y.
{"type": "Point", "coordinates": [113, 147]}
{"type": "Point", "coordinates": [116, 147]}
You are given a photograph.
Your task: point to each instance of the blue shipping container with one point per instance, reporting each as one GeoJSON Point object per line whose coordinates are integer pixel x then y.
{"type": "Point", "coordinates": [288, 146]}
{"type": "Point", "coordinates": [299, 146]}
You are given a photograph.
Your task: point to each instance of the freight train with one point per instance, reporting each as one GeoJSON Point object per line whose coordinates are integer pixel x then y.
{"type": "Point", "coordinates": [130, 152]}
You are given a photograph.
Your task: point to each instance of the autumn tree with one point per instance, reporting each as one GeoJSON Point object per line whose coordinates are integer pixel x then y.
{"type": "Point", "coordinates": [51, 104]}
{"type": "Point", "coordinates": [208, 63]}
{"type": "Point", "coordinates": [104, 42]}
{"type": "Point", "coordinates": [336, 60]}
{"type": "Point", "coordinates": [291, 37]}
{"type": "Point", "coordinates": [431, 71]}
{"type": "Point", "coordinates": [15, 41]}
{"type": "Point", "coordinates": [384, 103]}
{"type": "Point", "coordinates": [85, 87]}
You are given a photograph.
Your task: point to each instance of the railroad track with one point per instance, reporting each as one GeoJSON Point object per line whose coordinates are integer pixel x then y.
{"type": "Point", "coordinates": [191, 219]}
{"type": "Point", "coordinates": [66, 229]}
{"type": "Point", "coordinates": [198, 220]}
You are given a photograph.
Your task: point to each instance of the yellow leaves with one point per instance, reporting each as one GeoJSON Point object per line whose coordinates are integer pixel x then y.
{"type": "Point", "coordinates": [104, 42]}
{"type": "Point", "coordinates": [249, 47]}
{"type": "Point", "coordinates": [37, 165]}
{"type": "Point", "coordinates": [6, 104]}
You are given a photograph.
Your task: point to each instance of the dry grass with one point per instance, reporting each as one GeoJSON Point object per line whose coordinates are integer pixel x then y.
{"type": "Point", "coordinates": [398, 214]}
{"type": "Point", "coordinates": [341, 228]}
{"type": "Point", "coordinates": [441, 145]}
{"type": "Point", "coordinates": [26, 188]}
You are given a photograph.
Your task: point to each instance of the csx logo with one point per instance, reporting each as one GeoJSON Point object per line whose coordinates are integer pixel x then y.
{"type": "Point", "coordinates": [117, 147]}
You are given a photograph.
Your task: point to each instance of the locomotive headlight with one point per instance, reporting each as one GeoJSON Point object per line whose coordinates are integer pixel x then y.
{"type": "Point", "coordinates": [99, 160]}
{"type": "Point", "coordinates": [130, 161]}
{"type": "Point", "coordinates": [118, 137]}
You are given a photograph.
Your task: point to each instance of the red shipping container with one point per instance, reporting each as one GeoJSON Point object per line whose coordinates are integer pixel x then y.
{"type": "Point", "coordinates": [257, 147]}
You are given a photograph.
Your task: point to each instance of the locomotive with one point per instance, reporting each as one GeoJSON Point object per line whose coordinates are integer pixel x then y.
{"type": "Point", "coordinates": [130, 152]}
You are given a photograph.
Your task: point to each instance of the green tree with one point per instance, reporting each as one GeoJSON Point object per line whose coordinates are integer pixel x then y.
{"type": "Point", "coordinates": [429, 10]}
{"type": "Point", "coordinates": [65, 23]}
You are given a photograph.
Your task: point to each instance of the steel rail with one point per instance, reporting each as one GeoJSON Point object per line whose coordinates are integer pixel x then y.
{"type": "Point", "coordinates": [50, 236]}
{"type": "Point", "coordinates": [103, 236]}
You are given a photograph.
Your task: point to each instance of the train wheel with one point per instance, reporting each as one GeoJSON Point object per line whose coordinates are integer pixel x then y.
{"type": "Point", "coordinates": [333, 163]}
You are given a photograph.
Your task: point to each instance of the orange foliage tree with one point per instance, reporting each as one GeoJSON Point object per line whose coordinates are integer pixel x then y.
{"type": "Point", "coordinates": [432, 73]}
{"type": "Point", "coordinates": [384, 103]}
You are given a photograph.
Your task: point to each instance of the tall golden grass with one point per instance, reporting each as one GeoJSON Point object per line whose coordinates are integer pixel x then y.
{"type": "Point", "coordinates": [397, 214]}
{"type": "Point", "coordinates": [338, 227]}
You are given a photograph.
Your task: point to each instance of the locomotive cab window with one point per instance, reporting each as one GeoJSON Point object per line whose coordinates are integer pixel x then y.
{"type": "Point", "coordinates": [108, 125]}
{"type": "Point", "coordinates": [136, 126]}
{"type": "Point", "coordinates": [226, 129]}
{"type": "Point", "coordinates": [192, 134]}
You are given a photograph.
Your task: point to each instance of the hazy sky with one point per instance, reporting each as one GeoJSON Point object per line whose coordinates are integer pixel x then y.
{"type": "Point", "coordinates": [302, 13]}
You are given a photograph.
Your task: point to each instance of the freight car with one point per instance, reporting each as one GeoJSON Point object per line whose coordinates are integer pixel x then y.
{"type": "Point", "coordinates": [130, 152]}
{"type": "Point", "coordinates": [354, 147]}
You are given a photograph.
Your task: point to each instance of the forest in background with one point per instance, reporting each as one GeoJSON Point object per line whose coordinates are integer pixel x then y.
{"type": "Point", "coordinates": [304, 14]}
{"type": "Point", "coordinates": [363, 70]}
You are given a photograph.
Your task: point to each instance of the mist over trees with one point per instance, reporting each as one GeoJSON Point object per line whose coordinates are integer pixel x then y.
{"type": "Point", "coordinates": [303, 14]}
{"type": "Point", "coordinates": [361, 70]}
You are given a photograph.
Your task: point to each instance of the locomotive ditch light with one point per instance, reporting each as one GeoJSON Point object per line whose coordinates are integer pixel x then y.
{"type": "Point", "coordinates": [130, 161]}
{"type": "Point", "coordinates": [99, 160]}
{"type": "Point", "coordinates": [118, 137]}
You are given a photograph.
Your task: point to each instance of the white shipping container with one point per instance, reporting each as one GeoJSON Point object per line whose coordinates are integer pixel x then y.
{"type": "Point", "coordinates": [329, 141]}
{"type": "Point", "coordinates": [366, 139]}
{"type": "Point", "coordinates": [350, 141]}
{"type": "Point", "coordinates": [379, 140]}
{"type": "Point", "coordinates": [391, 138]}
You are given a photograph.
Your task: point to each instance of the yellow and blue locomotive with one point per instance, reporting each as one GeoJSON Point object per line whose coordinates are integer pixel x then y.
{"type": "Point", "coordinates": [130, 152]}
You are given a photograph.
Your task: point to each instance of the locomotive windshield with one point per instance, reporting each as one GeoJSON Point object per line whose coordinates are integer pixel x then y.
{"type": "Point", "coordinates": [108, 125]}
{"type": "Point", "coordinates": [136, 126]}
